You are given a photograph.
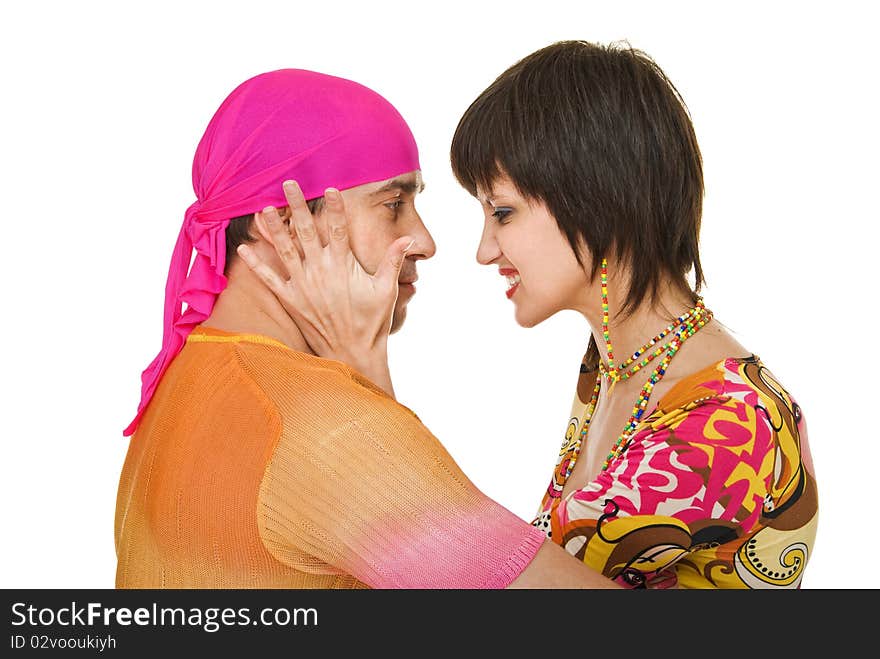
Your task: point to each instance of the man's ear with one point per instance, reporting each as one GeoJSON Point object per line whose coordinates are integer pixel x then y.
{"type": "Point", "coordinates": [263, 229]}
{"type": "Point", "coordinates": [260, 225]}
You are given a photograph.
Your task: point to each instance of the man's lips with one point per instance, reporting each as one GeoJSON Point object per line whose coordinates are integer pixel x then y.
{"type": "Point", "coordinates": [408, 284]}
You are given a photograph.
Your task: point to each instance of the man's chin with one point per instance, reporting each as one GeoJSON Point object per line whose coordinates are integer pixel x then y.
{"type": "Point", "coordinates": [397, 318]}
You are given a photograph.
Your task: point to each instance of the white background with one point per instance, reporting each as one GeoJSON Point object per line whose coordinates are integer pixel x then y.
{"type": "Point", "coordinates": [102, 108]}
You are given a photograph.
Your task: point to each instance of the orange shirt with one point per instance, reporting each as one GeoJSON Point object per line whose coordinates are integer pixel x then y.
{"type": "Point", "coordinates": [257, 466]}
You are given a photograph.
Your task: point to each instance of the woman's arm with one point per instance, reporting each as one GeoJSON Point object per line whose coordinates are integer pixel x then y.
{"type": "Point", "coordinates": [553, 567]}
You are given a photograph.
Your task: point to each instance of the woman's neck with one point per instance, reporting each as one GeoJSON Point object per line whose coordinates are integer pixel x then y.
{"type": "Point", "coordinates": [246, 305]}
{"type": "Point", "coordinates": [633, 332]}
{"type": "Point", "coordinates": [708, 346]}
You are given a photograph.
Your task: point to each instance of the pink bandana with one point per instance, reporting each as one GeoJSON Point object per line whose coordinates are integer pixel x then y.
{"type": "Point", "coordinates": [316, 129]}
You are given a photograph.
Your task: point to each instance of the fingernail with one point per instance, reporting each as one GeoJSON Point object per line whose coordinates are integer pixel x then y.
{"type": "Point", "coordinates": [331, 194]}
{"type": "Point", "coordinates": [291, 185]}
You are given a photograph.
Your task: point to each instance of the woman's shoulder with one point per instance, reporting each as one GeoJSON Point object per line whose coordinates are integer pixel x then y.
{"type": "Point", "coordinates": [738, 396]}
{"type": "Point", "coordinates": [713, 367]}
{"type": "Point", "coordinates": [732, 376]}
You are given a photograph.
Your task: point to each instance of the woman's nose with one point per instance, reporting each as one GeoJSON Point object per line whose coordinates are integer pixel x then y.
{"type": "Point", "coordinates": [487, 250]}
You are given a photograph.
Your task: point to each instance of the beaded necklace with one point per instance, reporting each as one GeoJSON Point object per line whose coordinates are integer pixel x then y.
{"type": "Point", "coordinates": [684, 327]}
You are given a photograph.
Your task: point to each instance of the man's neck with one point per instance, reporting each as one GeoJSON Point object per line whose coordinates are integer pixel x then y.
{"type": "Point", "coordinates": [247, 306]}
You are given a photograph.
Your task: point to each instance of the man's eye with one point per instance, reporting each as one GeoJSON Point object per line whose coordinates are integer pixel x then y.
{"type": "Point", "coordinates": [501, 214]}
{"type": "Point", "coordinates": [394, 205]}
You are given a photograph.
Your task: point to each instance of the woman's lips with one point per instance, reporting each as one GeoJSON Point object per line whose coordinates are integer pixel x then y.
{"type": "Point", "coordinates": [512, 278]}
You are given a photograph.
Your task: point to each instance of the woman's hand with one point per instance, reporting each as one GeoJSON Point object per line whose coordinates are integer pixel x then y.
{"type": "Point", "coordinates": [343, 312]}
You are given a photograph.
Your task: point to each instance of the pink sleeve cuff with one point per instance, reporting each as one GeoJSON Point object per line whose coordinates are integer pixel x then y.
{"type": "Point", "coordinates": [484, 547]}
{"type": "Point", "coordinates": [533, 538]}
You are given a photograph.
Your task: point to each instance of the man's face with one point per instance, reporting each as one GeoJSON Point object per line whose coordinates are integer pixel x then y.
{"type": "Point", "coordinates": [379, 213]}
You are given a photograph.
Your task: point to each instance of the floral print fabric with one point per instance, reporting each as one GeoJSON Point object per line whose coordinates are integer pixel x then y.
{"type": "Point", "coordinates": [715, 490]}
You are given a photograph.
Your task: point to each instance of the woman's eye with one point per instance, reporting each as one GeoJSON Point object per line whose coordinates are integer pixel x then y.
{"type": "Point", "coordinates": [501, 214]}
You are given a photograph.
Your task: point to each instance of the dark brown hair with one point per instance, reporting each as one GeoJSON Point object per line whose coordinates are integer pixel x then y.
{"type": "Point", "coordinates": [602, 137]}
{"type": "Point", "coordinates": [239, 230]}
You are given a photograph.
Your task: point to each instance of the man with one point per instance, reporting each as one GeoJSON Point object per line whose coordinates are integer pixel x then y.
{"type": "Point", "coordinates": [239, 421]}
{"type": "Point", "coordinates": [380, 218]}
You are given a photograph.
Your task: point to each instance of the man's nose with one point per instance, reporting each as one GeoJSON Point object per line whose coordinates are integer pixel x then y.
{"type": "Point", "coordinates": [424, 247]}
{"type": "Point", "coordinates": [487, 250]}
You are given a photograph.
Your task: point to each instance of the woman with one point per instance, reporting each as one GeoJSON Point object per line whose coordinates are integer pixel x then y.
{"type": "Point", "coordinates": [685, 462]}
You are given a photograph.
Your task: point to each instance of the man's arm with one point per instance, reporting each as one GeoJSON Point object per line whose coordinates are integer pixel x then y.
{"type": "Point", "coordinates": [357, 481]}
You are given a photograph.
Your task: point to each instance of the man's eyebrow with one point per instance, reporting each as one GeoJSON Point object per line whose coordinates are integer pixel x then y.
{"type": "Point", "coordinates": [404, 185]}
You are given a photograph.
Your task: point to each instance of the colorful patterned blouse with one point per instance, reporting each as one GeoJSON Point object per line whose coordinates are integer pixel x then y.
{"type": "Point", "coordinates": [716, 489]}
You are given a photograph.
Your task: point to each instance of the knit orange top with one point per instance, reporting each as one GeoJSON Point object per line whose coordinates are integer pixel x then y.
{"type": "Point", "coordinates": [257, 466]}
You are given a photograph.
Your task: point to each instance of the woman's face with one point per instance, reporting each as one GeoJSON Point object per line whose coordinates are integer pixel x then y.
{"type": "Point", "coordinates": [521, 238]}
